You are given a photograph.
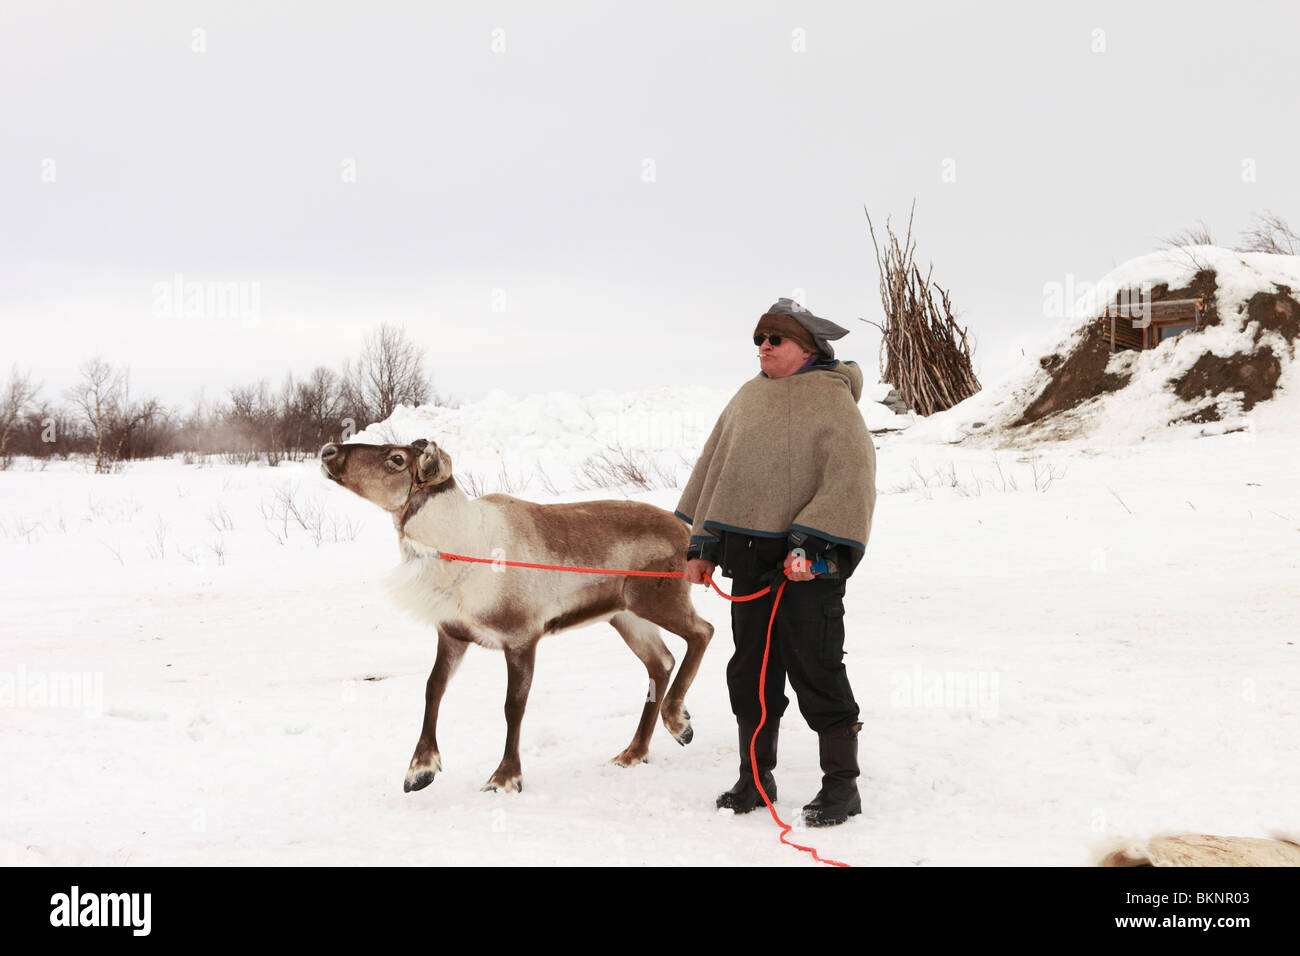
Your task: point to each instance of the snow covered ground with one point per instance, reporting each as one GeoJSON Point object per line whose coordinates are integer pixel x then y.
{"type": "Point", "coordinates": [1051, 648]}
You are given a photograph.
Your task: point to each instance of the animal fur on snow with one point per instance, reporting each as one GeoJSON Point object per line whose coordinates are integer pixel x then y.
{"type": "Point", "coordinates": [1199, 849]}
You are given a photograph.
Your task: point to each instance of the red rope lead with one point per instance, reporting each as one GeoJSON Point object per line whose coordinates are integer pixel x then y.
{"type": "Point", "coordinates": [559, 567]}
{"type": "Point", "coordinates": [753, 759]}
{"type": "Point", "coordinates": [762, 676]}
{"type": "Point", "coordinates": [577, 570]}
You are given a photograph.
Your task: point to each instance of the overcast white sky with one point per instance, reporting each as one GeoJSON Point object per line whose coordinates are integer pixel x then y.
{"type": "Point", "coordinates": [595, 195]}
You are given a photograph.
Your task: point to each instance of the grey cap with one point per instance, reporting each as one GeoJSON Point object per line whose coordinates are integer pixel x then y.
{"type": "Point", "coordinates": [822, 330]}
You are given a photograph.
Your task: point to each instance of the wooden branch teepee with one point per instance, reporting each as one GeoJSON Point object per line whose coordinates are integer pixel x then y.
{"type": "Point", "coordinates": [925, 354]}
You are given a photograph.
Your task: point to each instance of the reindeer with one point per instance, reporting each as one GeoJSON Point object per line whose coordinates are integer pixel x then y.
{"type": "Point", "coordinates": [472, 603]}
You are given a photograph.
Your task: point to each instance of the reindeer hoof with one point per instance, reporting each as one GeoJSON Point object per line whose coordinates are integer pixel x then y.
{"type": "Point", "coordinates": [630, 758]}
{"type": "Point", "coordinates": [686, 734]}
{"type": "Point", "coordinates": [511, 785]}
{"type": "Point", "coordinates": [420, 775]}
{"type": "Point", "coordinates": [417, 781]}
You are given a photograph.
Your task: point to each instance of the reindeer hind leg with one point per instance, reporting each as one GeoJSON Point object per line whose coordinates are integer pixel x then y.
{"type": "Point", "coordinates": [508, 776]}
{"type": "Point", "coordinates": [670, 607]}
{"type": "Point", "coordinates": [643, 638]}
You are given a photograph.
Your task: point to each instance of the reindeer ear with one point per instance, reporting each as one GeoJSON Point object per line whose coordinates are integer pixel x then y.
{"type": "Point", "coordinates": [419, 444]}
{"type": "Point", "coordinates": [433, 467]}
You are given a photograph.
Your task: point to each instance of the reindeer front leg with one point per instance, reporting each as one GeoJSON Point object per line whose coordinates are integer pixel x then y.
{"type": "Point", "coordinates": [519, 668]}
{"type": "Point", "coordinates": [427, 761]}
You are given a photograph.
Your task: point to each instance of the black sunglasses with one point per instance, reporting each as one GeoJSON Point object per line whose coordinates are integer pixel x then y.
{"type": "Point", "coordinates": [774, 338]}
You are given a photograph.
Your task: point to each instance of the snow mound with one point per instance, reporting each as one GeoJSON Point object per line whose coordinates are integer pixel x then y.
{"type": "Point", "coordinates": [511, 444]}
{"type": "Point", "coordinates": [1236, 373]}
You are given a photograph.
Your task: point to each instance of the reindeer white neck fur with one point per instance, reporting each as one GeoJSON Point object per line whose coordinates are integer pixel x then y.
{"type": "Point", "coordinates": [438, 516]}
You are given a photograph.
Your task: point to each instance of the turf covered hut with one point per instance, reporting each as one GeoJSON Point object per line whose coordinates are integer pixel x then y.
{"type": "Point", "coordinates": [1185, 341]}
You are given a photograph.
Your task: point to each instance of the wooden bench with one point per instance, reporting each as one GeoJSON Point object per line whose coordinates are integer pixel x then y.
{"type": "Point", "coordinates": [1145, 325]}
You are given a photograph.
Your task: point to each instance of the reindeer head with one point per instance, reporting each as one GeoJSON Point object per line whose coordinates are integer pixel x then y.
{"type": "Point", "coordinates": [386, 475]}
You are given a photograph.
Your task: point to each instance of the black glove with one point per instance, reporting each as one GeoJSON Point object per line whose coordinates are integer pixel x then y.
{"type": "Point", "coordinates": [813, 548]}
{"type": "Point", "coordinates": [705, 549]}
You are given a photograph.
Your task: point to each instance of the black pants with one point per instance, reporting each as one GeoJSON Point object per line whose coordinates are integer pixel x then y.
{"type": "Point", "coordinates": [807, 646]}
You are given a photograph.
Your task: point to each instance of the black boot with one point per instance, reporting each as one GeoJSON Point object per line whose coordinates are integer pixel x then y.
{"type": "Point", "coordinates": [838, 798]}
{"type": "Point", "coordinates": [744, 796]}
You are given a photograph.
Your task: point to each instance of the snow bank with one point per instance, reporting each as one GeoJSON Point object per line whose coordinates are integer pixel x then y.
{"type": "Point", "coordinates": [508, 442]}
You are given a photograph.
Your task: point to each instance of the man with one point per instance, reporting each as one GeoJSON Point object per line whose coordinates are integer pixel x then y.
{"type": "Point", "coordinates": [787, 480]}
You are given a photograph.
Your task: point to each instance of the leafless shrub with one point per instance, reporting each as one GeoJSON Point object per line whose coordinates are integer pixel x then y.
{"type": "Point", "coordinates": [26, 528]}
{"type": "Point", "coordinates": [1008, 480]}
{"type": "Point", "coordinates": [1044, 473]}
{"type": "Point", "coordinates": [257, 420]}
{"type": "Point", "coordinates": [188, 555]}
{"type": "Point", "coordinates": [1197, 235]}
{"type": "Point", "coordinates": [243, 457]}
{"type": "Point", "coordinates": [220, 518]}
{"type": "Point", "coordinates": [124, 510]}
{"type": "Point", "coordinates": [665, 476]}
{"type": "Point", "coordinates": [158, 550]}
{"type": "Point", "coordinates": [508, 485]}
{"type": "Point", "coordinates": [599, 471]}
{"type": "Point", "coordinates": [309, 514]}
{"type": "Point", "coordinates": [1186, 243]}
{"type": "Point", "coordinates": [275, 519]}
{"type": "Point", "coordinates": [344, 529]}
{"type": "Point", "coordinates": [219, 550]}
{"type": "Point", "coordinates": [471, 483]}
{"type": "Point", "coordinates": [972, 489]}
{"type": "Point", "coordinates": [547, 484]}
{"type": "Point", "coordinates": [1270, 233]}
{"type": "Point", "coordinates": [926, 491]}
{"type": "Point", "coordinates": [115, 550]}
{"type": "Point", "coordinates": [618, 467]}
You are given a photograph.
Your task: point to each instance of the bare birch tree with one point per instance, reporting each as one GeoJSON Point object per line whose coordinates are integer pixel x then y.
{"type": "Point", "coordinates": [17, 395]}
{"type": "Point", "coordinates": [96, 397]}
{"type": "Point", "coordinates": [389, 372]}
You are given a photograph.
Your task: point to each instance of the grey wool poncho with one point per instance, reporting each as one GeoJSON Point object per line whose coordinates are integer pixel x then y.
{"type": "Point", "coordinates": [790, 453]}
